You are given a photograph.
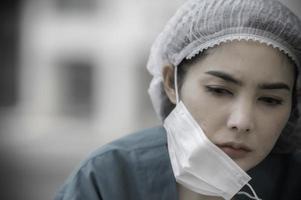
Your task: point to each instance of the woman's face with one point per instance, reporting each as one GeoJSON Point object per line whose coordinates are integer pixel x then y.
{"type": "Point", "coordinates": [241, 96]}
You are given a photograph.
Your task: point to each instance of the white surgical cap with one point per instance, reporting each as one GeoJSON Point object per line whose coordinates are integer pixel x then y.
{"type": "Point", "coordinates": [201, 24]}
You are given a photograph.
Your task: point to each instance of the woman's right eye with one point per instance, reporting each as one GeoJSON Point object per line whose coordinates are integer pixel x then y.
{"type": "Point", "coordinates": [218, 91]}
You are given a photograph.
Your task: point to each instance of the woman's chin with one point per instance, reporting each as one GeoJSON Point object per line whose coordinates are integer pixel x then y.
{"type": "Point", "coordinates": [245, 165]}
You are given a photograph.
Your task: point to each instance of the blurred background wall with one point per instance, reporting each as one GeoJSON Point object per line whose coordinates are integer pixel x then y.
{"type": "Point", "coordinates": [72, 78]}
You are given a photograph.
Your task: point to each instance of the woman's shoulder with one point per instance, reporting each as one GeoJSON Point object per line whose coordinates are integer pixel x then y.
{"type": "Point", "coordinates": [295, 157]}
{"type": "Point", "coordinates": [143, 139]}
{"type": "Point", "coordinates": [292, 176]}
{"type": "Point", "coordinates": [278, 176]}
{"type": "Point", "coordinates": [111, 165]}
{"type": "Point", "coordinates": [128, 151]}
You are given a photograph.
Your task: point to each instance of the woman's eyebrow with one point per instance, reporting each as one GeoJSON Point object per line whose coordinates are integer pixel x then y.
{"type": "Point", "coordinates": [265, 86]}
{"type": "Point", "coordinates": [225, 76]}
{"type": "Point", "coordinates": [274, 86]}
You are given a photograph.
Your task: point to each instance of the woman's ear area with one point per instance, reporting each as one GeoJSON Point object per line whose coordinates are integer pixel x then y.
{"type": "Point", "coordinates": [168, 83]}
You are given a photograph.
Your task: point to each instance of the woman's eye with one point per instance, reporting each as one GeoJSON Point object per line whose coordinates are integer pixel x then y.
{"type": "Point", "coordinates": [271, 101]}
{"type": "Point", "coordinates": [218, 90]}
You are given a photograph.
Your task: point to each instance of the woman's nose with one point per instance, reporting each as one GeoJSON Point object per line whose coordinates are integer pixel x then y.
{"type": "Point", "coordinates": [241, 118]}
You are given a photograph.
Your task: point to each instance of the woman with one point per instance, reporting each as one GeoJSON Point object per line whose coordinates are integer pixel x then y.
{"type": "Point", "coordinates": [225, 81]}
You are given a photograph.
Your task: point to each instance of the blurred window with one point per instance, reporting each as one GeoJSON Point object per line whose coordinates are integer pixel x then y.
{"type": "Point", "coordinates": [9, 34]}
{"type": "Point", "coordinates": [76, 6]}
{"type": "Point", "coordinates": [76, 86]}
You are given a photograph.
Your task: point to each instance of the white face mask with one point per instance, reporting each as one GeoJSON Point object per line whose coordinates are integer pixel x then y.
{"type": "Point", "coordinates": [197, 163]}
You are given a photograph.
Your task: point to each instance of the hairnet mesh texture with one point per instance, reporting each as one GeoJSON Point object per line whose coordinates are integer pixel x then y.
{"type": "Point", "coordinates": [201, 24]}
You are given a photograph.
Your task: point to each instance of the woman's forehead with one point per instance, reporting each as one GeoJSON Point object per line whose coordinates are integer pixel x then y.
{"type": "Point", "coordinates": [239, 45]}
{"type": "Point", "coordinates": [247, 60]}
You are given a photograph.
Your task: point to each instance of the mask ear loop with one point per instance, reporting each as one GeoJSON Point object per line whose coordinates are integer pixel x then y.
{"type": "Point", "coordinates": [255, 197]}
{"type": "Point", "coordinates": [176, 83]}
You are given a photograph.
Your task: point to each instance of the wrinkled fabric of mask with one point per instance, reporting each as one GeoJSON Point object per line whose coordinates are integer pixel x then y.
{"type": "Point", "coordinates": [197, 163]}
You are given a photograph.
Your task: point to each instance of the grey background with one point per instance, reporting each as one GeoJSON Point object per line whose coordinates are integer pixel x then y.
{"type": "Point", "coordinates": [73, 78]}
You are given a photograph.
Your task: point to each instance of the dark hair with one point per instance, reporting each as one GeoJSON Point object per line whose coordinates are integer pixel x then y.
{"type": "Point", "coordinates": [288, 141]}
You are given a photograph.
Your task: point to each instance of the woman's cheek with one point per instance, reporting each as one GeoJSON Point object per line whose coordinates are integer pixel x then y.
{"type": "Point", "coordinates": [269, 141]}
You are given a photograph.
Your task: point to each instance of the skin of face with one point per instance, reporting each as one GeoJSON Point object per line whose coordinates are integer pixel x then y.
{"type": "Point", "coordinates": [240, 93]}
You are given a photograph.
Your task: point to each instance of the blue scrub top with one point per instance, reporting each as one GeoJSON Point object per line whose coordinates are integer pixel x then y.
{"type": "Point", "coordinates": [132, 168]}
{"type": "Point", "coordinates": [137, 167]}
